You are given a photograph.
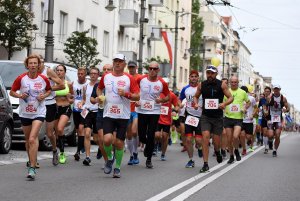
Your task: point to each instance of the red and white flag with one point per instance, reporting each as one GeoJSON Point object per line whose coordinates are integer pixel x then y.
{"type": "Point", "coordinates": [167, 36]}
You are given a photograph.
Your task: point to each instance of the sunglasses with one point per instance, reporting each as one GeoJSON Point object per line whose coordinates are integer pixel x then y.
{"type": "Point", "coordinates": [150, 68]}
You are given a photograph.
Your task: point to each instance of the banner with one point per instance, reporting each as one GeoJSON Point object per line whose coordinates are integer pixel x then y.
{"type": "Point", "coordinates": [167, 36]}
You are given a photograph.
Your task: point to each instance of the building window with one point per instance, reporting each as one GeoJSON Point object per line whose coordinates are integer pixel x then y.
{"type": "Point", "coordinates": [63, 26]}
{"type": "Point", "coordinates": [126, 43]}
{"type": "Point", "coordinates": [79, 25]}
{"type": "Point", "coordinates": [43, 25]}
{"type": "Point", "coordinates": [185, 75]}
{"type": "Point", "coordinates": [105, 43]}
{"type": "Point", "coordinates": [181, 74]}
{"type": "Point", "coordinates": [181, 44]}
{"type": "Point", "coordinates": [94, 31]}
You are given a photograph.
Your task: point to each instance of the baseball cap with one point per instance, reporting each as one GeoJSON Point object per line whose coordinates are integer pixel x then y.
{"type": "Point", "coordinates": [119, 56]}
{"type": "Point", "coordinates": [132, 63]}
{"type": "Point", "coordinates": [194, 72]}
{"type": "Point", "coordinates": [276, 86]}
{"type": "Point", "coordinates": [212, 69]}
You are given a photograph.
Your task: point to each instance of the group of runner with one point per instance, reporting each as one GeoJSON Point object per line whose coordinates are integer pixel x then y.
{"type": "Point", "coordinates": [141, 110]}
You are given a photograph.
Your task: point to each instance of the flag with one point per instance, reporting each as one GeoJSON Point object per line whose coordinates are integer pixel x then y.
{"type": "Point", "coordinates": [168, 41]}
{"type": "Point", "coordinates": [288, 118]}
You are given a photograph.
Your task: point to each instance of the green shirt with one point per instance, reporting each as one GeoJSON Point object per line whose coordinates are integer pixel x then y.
{"type": "Point", "coordinates": [235, 109]}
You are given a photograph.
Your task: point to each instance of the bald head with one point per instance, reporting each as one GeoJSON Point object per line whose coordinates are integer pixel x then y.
{"type": "Point", "coordinates": [234, 82]}
{"type": "Point", "coordinates": [154, 64]}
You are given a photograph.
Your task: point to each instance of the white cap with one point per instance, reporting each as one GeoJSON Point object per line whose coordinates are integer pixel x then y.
{"type": "Point", "coordinates": [276, 86]}
{"type": "Point", "coordinates": [120, 56]}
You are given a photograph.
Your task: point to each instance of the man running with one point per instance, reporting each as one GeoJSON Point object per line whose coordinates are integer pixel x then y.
{"type": "Point", "coordinates": [277, 105]}
{"type": "Point", "coordinates": [212, 91]}
{"type": "Point", "coordinates": [120, 88]}
{"type": "Point", "coordinates": [148, 108]}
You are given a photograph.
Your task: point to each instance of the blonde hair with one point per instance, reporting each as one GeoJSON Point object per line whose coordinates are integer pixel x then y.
{"type": "Point", "coordinates": [82, 68]}
{"type": "Point", "coordinates": [32, 56]}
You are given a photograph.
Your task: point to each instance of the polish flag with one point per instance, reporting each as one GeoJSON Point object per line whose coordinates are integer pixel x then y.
{"type": "Point", "coordinates": [167, 36]}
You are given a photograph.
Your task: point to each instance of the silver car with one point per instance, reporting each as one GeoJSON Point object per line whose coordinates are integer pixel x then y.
{"type": "Point", "coordinates": [9, 70]}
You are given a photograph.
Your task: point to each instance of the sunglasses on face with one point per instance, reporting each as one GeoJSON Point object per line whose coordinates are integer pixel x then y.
{"type": "Point", "coordinates": [150, 68]}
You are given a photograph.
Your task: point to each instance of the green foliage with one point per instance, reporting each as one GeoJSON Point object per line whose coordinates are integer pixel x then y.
{"type": "Point", "coordinates": [157, 59]}
{"type": "Point", "coordinates": [196, 37]}
{"type": "Point", "coordinates": [15, 25]}
{"type": "Point", "coordinates": [81, 49]}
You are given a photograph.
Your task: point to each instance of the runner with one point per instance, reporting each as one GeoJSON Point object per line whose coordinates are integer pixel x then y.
{"type": "Point", "coordinates": [162, 134]}
{"type": "Point", "coordinates": [56, 84]}
{"type": "Point", "coordinates": [233, 120]}
{"type": "Point", "coordinates": [77, 109]}
{"type": "Point", "coordinates": [192, 115]}
{"type": "Point", "coordinates": [212, 91]}
{"type": "Point", "coordinates": [132, 138]}
{"type": "Point", "coordinates": [64, 99]}
{"type": "Point", "coordinates": [182, 127]}
{"type": "Point", "coordinates": [120, 88]}
{"type": "Point", "coordinates": [148, 108]}
{"type": "Point", "coordinates": [248, 126]}
{"type": "Point", "coordinates": [277, 105]}
{"type": "Point", "coordinates": [34, 88]}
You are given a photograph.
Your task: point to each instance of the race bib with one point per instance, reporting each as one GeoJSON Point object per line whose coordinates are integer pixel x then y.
{"type": "Point", "coordinates": [211, 104]}
{"type": "Point", "coordinates": [192, 121]}
{"type": "Point", "coordinates": [31, 108]}
{"type": "Point", "coordinates": [234, 108]}
{"type": "Point", "coordinates": [275, 118]}
{"type": "Point", "coordinates": [84, 113]}
{"type": "Point", "coordinates": [147, 105]}
{"type": "Point", "coordinates": [164, 110]}
{"type": "Point", "coordinates": [115, 108]}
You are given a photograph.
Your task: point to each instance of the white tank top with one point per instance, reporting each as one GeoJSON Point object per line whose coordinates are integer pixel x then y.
{"type": "Point", "coordinates": [78, 94]}
{"type": "Point", "coordinates": [51, 98]}
{"type": "Point", "coordinates": [88, 105]}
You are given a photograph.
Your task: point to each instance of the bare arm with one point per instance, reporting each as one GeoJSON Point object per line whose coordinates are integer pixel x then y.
{"type": "Point", "coordinates": [286, 105]}
{"type": "Point", "coordinates": [70, 96]}
{"type": "Point", "coordinates": [227, 94]}
{"type": "Point", "coordinates": [59, 84]}
{"type": "Point", "coordinates": [18, 95]}
{"type": "Point", "coordinates": [164, 99]}
{"type": "Point", "coordinates": [196, 96]}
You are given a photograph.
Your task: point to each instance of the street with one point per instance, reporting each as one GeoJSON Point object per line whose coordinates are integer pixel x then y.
{"type": "Point", "coordinates": [256, 177]}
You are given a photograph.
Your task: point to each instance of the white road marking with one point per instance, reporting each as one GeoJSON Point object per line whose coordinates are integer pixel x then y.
{"type": "Point", "coordinates": [205, 182]}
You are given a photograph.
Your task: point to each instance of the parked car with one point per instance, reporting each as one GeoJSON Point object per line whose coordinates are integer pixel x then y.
{"type": "Point", "coordinates": [9, 70]}
{"type": "Point", "coordinates": [6, 120]}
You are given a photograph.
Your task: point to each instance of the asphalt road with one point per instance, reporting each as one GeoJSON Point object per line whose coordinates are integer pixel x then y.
{"type": "Point", "coordinates": [256, 177]}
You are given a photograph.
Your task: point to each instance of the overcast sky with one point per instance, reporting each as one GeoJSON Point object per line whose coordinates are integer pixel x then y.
{"type": "Point", "coordinates": [271, 30]}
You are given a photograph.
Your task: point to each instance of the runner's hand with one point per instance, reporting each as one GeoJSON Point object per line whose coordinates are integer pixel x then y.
{"type": "Point", "coordinates": [137, 104]}
{"type": "Point", "coordinates": [222, 106]}
{"type": "Point", "coordinates": [24, 95]}
{"type": "Point", "coordinates": [40, 97]}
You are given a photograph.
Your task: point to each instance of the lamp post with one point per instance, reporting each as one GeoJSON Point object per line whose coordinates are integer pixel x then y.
{"type": "Point", "coordinates": [141, 39]}
{"type": "Point", "coordinates": [49, 40]}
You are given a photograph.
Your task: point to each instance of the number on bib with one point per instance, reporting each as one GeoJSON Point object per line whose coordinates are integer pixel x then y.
{"type": "Point", "coordinates": [192, 121]}
{"type": "Point", "coordinates": [234, 108]}
{"type": "Point", "coordinates": [31, 108]}
{"type": "Point", "coordinates": [115, 109]}
{"type": "Point", "coordinates": [275, 118]}
{"type": "Point", "coordinates": [147, 105]}
{"type": "Point", "coordinates": [84, 113]}
{"type": "Point", "coordinates": [211, 104]}
{"type": "Point", "coordinates": [164, 110]}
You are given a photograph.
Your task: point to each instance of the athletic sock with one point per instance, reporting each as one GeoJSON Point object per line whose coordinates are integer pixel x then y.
{"type": "Point", "coordinates": [108, 150]}
{"type": "Point", "coordinates": [130, 146]}
{"type": "Point", "coordinates": [135, 144]}
{"type": "Point", "coordinates": [266, 139]}
{"type": "Point", "coordinates": [80, 143]}
{"type": "Point", "coordinates": [61, 140]}
{"type": "Point", "coordinates": [119, 157]}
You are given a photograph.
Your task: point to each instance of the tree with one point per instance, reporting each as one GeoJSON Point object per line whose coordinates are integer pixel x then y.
{"type": "Point", "coordinates": [196, 37]}
{"type": "Point", "coordinates": [15, 25]}
{"type": "Point", "coordinates": [81, 49]}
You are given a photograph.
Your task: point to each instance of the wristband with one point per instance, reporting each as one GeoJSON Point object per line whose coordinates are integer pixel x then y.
{"type": "Point", "coordinates": [128, 95]}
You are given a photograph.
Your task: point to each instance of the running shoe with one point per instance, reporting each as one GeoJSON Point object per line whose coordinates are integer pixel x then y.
{"type": "Point", "coordinates": [270, 144]}
{"type": "Point", "coordinates": [237, 155]}
{"type": "Point", "coordinates": [130, 162]}
{"type": "Point", "coordinates": [55, 158]}
{"type": "Point", "coordinates": [169, 141]}
{"type": "Point", "coordinates": [266, 151]}
{"type": "Point", "coordinates": [77, 156]}
{"type": "Point", "coordinates": [274, 153]}
{"type": "Point", "coordinates": [87, 161]}
{"type": "Point", "coordinates": [204, 169]}
{"type": "Point", "coordinates": [251, 149]}
{"type": "Point", "coordinates": [149, 164]}
{"type": "Point", "coordinates": [108, 166]}
{"type": "Point", "coordinates": [190, 164]}
{"type": "Point", "coordinates": [31, 173]}
{"type": "Point", "coordinates": [223, 153]}
{"type": "Point", "coordinates": [135, 159]}
{"type": "Point", "coordinates": [200, 153]}
{"type": "Point", "coordinates": [244, 152]}
{"type": "Point", "coordinates": [99, 154]}
{"type": "Point", "coordinates": [163, 157]}
{"type": "Point", "coordinates": [62, 158]}
{"type": "Point", "coordinates": [219, 157]}
{"type": "Point", "coordinates": [231, 159]}
{"type": "Point", "coordinates": [117, 173]}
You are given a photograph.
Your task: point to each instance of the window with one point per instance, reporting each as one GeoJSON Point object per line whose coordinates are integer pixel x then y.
{"type": "Point", "coordinates": [182, 44]}
{"type": "Point", "coordinates": [132, 44]}
{"type": "Point", "coordinates": [185, 75]}
{"type": "Point", "coordinates": [43, 25]}
{"type": "Point", "coordinates": [63, 26]}
{"type": "Point", "coordinates": [181, 74]}
{"type": "Point", "coordinates": [94, 32]}
{"type": "Point", "coordinates": [79, 25]}
{"type": "Point", "coordinates": [105, 43]}
{"type": "Point", "coordinates": [126, 42]}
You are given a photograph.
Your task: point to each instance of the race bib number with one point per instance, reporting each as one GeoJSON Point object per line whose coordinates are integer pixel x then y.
{"type": "Point", "coordinates": [234, 108]}
{"type": "Point", "coordinates": [164, 110]}
{"type": "Point", "coordinates": [31, 108]}
{"type": "Point", "coordinates": [84, 113]}
{"type": "Point", "coordinates": [115, 109]}
{"type": "Point", "coordinates": [147, 105]}
{"type": "Point", "coordinates": [275, 118]}
{"type": "Point", "coordinates": [211, 104]}
{"type": "Point", "coordinates": [192, 121]}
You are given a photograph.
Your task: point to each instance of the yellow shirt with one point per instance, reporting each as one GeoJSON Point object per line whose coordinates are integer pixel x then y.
{"type": "Point", "coordinates": [235, 109]}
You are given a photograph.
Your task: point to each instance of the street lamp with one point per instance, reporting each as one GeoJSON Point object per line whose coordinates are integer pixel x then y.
{"type": "Point", "coordinates": [110, 6]}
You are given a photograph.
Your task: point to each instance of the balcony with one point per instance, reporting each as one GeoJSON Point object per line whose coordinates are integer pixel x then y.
{"type": "Point", "coordinates": [129, 18]}
{"type": "Point", "coordinates": [130, 55]}
{"type": "Point", "coordinates": [156, 3]}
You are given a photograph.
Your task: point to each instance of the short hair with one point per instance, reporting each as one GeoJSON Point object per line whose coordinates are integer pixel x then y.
{"type": "Point", "coordinates": [64, 67]}
{"type": "Point", "coordinates": [268, 88]}
{"type": "Point", "coordinates": [154, 63]}
{"type": "Point", "coordinates": [32, 56]}
{"type": "Point", "coordinates": [82, 68]}
{"type": "Point", "coordinates": [95, 68]}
